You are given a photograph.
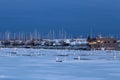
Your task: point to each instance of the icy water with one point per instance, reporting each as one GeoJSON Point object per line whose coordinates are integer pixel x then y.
{"type": "Point", "coordinates": [40, 64]}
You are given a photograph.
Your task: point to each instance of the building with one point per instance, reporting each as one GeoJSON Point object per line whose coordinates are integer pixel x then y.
{"type": "Point", "coordinates": [103, 43]}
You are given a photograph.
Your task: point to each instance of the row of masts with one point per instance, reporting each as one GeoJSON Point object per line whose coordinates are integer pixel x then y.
{"type": "Point", "coordinates": [34, 35]}
{"type": "Point", "coordinates": [40, 35]}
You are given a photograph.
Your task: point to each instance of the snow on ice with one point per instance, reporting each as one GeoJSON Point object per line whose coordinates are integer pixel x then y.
{"type": "Point", "coordinates": [40, 64]}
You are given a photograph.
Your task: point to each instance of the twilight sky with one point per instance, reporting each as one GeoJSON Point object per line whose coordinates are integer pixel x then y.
{"type": "Point", "coordinates": [73, 16]}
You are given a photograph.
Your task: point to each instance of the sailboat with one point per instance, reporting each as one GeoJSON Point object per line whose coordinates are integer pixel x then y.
{"type": "Point", "coordinates": [77, 58]}
{"type": "Point", "coordinates": [58, 60]}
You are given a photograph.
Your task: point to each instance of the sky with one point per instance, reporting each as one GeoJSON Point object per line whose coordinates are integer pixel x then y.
{"type": "Point", "coordinates": [76, 17]}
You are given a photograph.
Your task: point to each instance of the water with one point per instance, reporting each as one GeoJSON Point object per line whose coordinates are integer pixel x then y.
{"type": "Point", "coordinates": [100, 66]}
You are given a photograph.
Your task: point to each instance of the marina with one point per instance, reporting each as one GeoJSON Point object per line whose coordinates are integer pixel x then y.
{"type": "Point", "coordinates": [35, 41]}
{"type": "Point", "coordinates": [59, 39]}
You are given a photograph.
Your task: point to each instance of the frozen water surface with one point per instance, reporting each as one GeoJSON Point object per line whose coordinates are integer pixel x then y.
{"type": "Point", "coordinates": [40, 64]}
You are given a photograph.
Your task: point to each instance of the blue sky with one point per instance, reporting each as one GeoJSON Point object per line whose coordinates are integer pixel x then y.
{"type": "Point", "coordinates": [74, 16]}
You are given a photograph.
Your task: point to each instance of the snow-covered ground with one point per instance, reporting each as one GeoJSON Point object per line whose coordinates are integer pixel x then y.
{"type": "Point", "coordinates": [40, 64]}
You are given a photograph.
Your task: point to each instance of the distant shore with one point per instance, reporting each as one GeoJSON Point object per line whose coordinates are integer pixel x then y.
{"type": "Point", "coordinates": [89, 43]}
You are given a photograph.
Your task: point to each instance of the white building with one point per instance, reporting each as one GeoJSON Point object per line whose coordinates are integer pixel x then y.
{"type": "Point", "coordinates": [78, 42]}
